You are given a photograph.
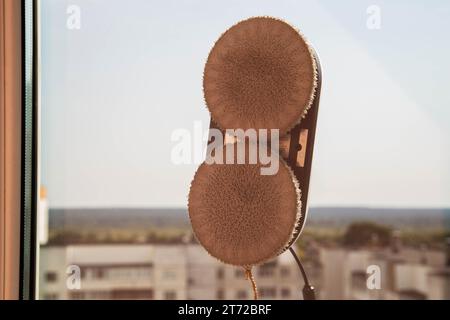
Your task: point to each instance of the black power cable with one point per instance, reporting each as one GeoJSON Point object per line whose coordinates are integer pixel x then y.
{"type": "Point", "coordinates": [308, 289]}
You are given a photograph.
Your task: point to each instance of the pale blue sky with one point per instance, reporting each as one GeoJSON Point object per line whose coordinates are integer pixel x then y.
{"type": "Point", "coordinates": [113, 92]}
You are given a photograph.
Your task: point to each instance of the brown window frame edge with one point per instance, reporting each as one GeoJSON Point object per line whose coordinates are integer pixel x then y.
{"type": "Point", "coordinates": [18, 148]}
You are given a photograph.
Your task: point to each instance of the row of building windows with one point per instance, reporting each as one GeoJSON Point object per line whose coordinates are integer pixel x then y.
{"type": "Point", "coordinates": [101, 272]}
{"type": "Point", "coordinates": [116, 294]}
{"type": "Point", "coordinates": [264, 292]}
{"type": "Point", "coordinates": [110, 272]}
{"type": "Point", "coordinates": [262, 271]}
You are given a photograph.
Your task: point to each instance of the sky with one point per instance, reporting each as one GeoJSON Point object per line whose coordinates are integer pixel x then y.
{"type": "Point", "coordinates": [114, 91]}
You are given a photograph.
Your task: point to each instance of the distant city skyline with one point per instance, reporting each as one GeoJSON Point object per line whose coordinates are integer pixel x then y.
{"type": "Point", "coordinates": [115, 90]}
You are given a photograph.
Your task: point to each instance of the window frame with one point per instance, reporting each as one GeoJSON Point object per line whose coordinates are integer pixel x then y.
{"type": "Point", "coordinates": [30, 134]}
{"type": "Point", "coordinates": [18, 148]}
{"type": "Point", "coordinates": [11, 103]}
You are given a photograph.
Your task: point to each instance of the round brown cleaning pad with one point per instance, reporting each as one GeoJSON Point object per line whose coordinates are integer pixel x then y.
{"type": "Point", "coordinates": [240, 216]}
{"type": "Point", "coordinates": [260, 74]}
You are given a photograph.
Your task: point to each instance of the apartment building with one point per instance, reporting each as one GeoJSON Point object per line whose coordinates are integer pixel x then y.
{"type": "Point", "coordinates": [405, 273]}
{"type": "Point", "coordinates": [151, 271]}
{"type": "Point", "coordinates": [113, 272]}
{"type": "Point", "coordinates": [186, 271]}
